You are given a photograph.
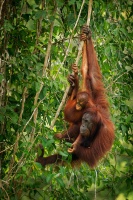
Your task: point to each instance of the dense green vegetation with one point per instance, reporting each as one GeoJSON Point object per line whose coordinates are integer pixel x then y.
{"type": "Point", "coordinates": [35, 60]}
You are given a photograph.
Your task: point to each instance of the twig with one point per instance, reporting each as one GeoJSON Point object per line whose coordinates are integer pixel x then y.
{"type": "Point", "coordinates": [59, 108]}
{"type": "Point", "coordinates": [23, 102]}
{"type": "Point", "coordinates": [1, 6]}
{"type": "Point", "coordinates": [89, 12]}
{"type": "Point", "coordinates": [14, 154]}
{"type": "Point", "coordinates": [43, 72]}
{"type": "Point", "coordinates": [33, 113]}
{"type": "Point", "coordinates": [22, 161]}
{"type": "Point", "coordinates": [114, 81]}
{"type": "Point", "coordinates": [70, 39]}
{"type": "Point", "coordinates": [45, 65]}
{"type": "Point", "coordinates": [88, 22]}
{"type": "Point", "coordinates": [67, 89]}
{"type": "Point", "coordinates": [16, 142]}
{"type": "Point", "coordinates": [18, 134]}
{"type": "Point", "coordinates": [77, 59]}
{"type": "Point", "coordinates": [5, 192]}
{"type": "Point", "coordinates": [7, 148]}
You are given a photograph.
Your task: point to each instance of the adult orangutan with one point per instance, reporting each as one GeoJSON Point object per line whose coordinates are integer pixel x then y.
{"type": "Point", "coordinates": [91, 130]}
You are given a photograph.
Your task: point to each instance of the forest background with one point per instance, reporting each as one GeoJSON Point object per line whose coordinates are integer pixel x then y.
{"type": "Point", "coordinates": [39, 42]}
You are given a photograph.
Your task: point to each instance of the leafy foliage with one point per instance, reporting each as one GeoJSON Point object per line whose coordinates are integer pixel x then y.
{"type": "Point", "coordinates": [26, 115]}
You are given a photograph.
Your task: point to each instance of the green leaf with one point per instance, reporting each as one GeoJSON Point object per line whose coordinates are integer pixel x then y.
{"type": "Point", "coordinates": [63, 154]}
{"type": "Point", "coordinates": [40, 13]}
{"type": "Point", "coordinates": [31, 25]}
{"type": "Point", "coordinates": [108, 51]}
{"type": "Point", "coordinates": [38, 165]}
{"type": "Point", "coordinates": [128, 68]}
{"type": "Point", "coordinates": [37, 86]}
{"type": "Point", "coordinates": [8, 26]}
{"type": "Point", "coordinates": [1, 77]}
{"type": "Point", "coordinates": [129, 152]}
{"type": "Point", "coordinates": [60, 182]}
{"type": "Point", "coordinates": [49, 177]}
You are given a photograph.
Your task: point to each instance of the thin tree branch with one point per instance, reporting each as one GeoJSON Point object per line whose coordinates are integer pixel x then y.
{"type": "Point", "coordinates": [43, 71]}
{"type": "Point", "coordinates": [18, 134]}
{"type": "Point", "coordinates": [70, 39]}
{"type": "Point", "coordinates": [5, 191]}
{"type": "Point", "coordinates": [77, 59]}
{"type": "Point", "coordinates": [16, 143]}
{"type": "Point", "coordinates": [59, 108]}
{"type": "Point", "coordinates": [88, 23]}
{"type": "Point", "coordinates": [23, 102]}
{"type": "Point", "coordinates": [44, 68]}
{"type": "Point", "coordinates": [1, 6]}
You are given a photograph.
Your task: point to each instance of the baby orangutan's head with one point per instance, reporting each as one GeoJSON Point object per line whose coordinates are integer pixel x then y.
{"type": "Point", "coordinates": [82, 100]}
